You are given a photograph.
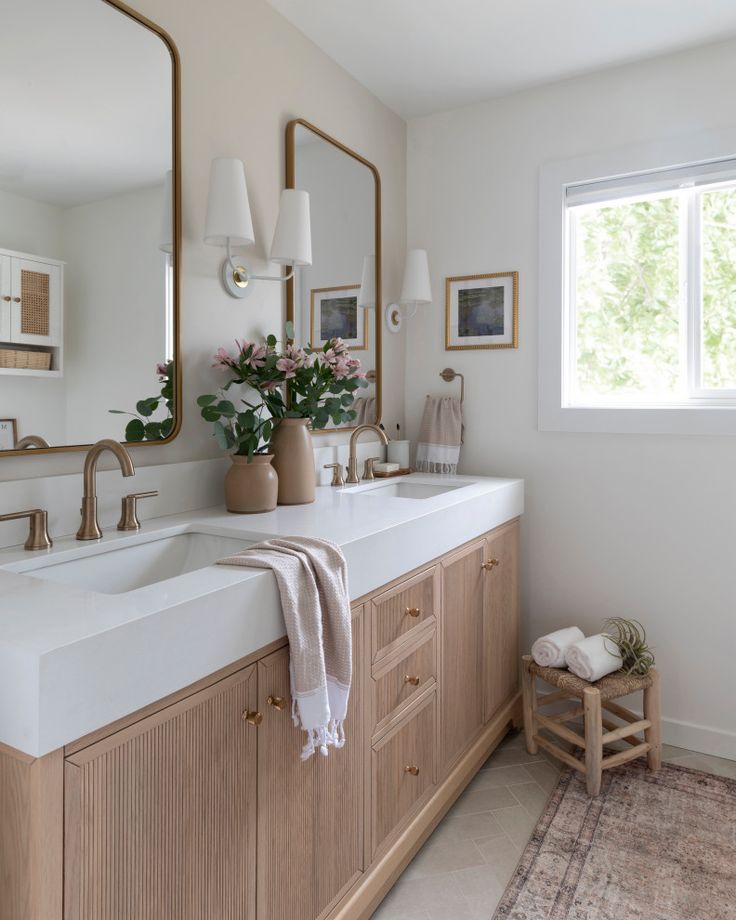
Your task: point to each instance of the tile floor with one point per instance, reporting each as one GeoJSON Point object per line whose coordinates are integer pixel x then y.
{"type": "Point", "coordinates": [462, 870]}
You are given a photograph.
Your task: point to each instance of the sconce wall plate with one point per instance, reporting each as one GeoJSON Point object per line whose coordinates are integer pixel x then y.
{"type": "Point", "coordinates": [394, 318]}
{"type": "Point", "coordinates": [235, 281]}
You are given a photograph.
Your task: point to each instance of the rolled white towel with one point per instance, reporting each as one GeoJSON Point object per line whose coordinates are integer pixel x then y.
{"type": "Point", "coordinates": [549, 651]}
{"type": "Point", "coordinates": [594, 657]}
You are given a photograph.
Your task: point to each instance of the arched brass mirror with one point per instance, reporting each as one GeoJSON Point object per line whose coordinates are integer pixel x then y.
{"type": "Point", "coordinates": [339, 294]}
{"type": "Point", "coordinates": [89, 227]}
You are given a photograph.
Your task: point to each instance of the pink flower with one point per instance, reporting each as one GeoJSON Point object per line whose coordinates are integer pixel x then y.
{"type": "Point", "coordinates": [162, 370]}
{"type": "Point", "coordinates": [287, 367]}
{"type": "Point", "coordinates": [329, 356]}
{"type": "Point", "coordinates": [341, 370]}
{"type": "Point", "coordinates": [258, 357]}
{"type": "Point", "coordinates": [339, 346]}
{"type": "Point", "coordinates": [269, 386]}
{"type": "Point", "coordinates": [222, 358]}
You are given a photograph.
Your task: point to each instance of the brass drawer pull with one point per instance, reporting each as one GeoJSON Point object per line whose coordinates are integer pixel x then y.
{"type": "Point", "coordinates": [413, 611]}
{"type": "Point", "coordinates": [412, 769]}
{"type": "Point", "coordinates": [410, 679]}
{"type": "Point", "coordinates": [253, 718]}
{"type": "Point", "coordinates": [487, 566]}
{"type": "Point", "coordinates": [278, 702]}
{"type": "Point", "coordinates": [16, 300]}
{"type": "Point", "coordinates": [7, 298]}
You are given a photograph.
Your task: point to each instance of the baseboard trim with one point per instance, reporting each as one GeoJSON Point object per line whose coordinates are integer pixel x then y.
{"type": "Point", "coordinates": [377, 881]}
{"type": "Point", "coordinates": [703, 738]}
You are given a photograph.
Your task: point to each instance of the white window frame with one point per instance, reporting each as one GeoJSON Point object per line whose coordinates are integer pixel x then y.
{"type": "Point", "coordinates": [604, 176]}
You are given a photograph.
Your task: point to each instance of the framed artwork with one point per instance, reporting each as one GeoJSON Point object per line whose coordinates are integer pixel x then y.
{"type": "Point", "coordinates": [8, 433]}
{"type": "Point", "coordinates": [335, 312]}
{"type": "Point", "coordinates": [482, 311]}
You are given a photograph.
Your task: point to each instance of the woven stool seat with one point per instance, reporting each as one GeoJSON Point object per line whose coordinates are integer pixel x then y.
{"type": "Point", "coordinates": [610, 687]}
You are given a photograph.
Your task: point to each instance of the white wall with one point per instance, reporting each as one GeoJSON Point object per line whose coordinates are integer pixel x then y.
{"type": "Point", "coordinates": [34, 227]}
{"type": "Point", "coordinates": [245, 73]}
{"type": "Point", "coordinates": [627, 525]}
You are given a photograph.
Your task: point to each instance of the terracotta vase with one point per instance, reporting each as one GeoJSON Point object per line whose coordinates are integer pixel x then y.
{"type": "Point", "coordinates": [251, 487]}
{"type": "Point", "coordinates": [293, 459]}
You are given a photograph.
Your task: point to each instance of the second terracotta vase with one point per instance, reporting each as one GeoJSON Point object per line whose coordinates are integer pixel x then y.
{"type": "Point", "coordinates": [293, 460]}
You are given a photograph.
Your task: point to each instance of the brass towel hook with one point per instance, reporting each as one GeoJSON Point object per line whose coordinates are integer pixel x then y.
{"type": "Point", "coordinates": [448, 375]}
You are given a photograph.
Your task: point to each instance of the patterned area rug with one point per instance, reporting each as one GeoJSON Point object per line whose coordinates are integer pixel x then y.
{"type": "Point", "coordinates": [651, 846]}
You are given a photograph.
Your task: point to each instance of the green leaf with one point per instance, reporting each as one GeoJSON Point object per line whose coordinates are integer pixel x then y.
{"type": "Point", "coordinates": [221, 436]}
{"type": "Point", "coordinates": [135, 430]}
{"type": "Point", "coordinates": [226, 408]}
{"type": "Point", "coordinates": [167, 427]}
{"type": "Point", "coordinates": [143, 406]}
{"type": "Point", "coordinates": [271, 341]}
{"type": "Point", "coordinates": [153, 431]}
{"type": "Point", "coordinates": [289, 329]}
{"type": "Point", "coordinates": [206, 400]}
{"type": "Point", "coordinates": [210, 414]}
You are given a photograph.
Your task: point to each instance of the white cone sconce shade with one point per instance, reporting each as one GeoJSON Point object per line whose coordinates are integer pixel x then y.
{"type": "Point", "coordinates": [166, 236]}
{"type": "Point", "coordinates": [415, 291]}
{"type": "Point", "coordinates": [367, 293]}
{"type": "Point", "coordinates": [416, 288]}
{"type": "Point", "coordinates": [292, 239]}
{"type": "Point", "coordinates": [228, 208]}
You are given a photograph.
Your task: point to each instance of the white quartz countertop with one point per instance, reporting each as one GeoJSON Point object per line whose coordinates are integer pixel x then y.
{"type": "Point", "coordinates": [73, 660]}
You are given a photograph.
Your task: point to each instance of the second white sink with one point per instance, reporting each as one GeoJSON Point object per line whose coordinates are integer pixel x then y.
{"type": "Point", "coordinates": [409, 490]}
{"type": "Point", "coordinates": [119, 569]}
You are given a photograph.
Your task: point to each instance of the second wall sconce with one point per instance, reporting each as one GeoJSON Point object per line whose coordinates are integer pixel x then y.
{"type": "Point", "coordinates": [229, 224]}
{"type": "Point", "coordinates": [416, 289]}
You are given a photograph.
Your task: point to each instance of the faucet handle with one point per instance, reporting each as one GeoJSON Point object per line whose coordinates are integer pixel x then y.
{"type": "Point", "coordinates": [38, 534]}
{"type": "Point", "coordinates": [368, 468]}
{"type": "Point", "coordinates": [129, 510]}
{"type": "Point", "coordinates": [337, 477]}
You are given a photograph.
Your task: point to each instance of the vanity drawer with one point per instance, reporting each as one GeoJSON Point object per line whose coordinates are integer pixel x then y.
{"type": "Point", "coordinates": [396, 685]}
{"type": "Point", "coordinates": [403, 768]}
{"type": "Point", "coordinates": [403, 611]}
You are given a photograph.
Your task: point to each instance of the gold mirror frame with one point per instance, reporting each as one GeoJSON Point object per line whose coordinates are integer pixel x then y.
{"type": "Point", "coordinates": [176, 202]}
{"type": "Point", "coordinates": [290, 183]}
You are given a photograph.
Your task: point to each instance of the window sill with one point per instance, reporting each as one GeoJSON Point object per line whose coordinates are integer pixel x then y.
{"type": "Point", "coordinates": [689, 420]}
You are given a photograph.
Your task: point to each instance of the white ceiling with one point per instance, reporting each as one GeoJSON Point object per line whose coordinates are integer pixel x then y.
{"type": "Point", "coordinates": [85, 102]}
{"type": "Point", "coordinates": [422, 56]}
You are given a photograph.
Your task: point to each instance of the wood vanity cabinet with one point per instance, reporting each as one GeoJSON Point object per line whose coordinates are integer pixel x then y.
{"type": "Point", "coordinates": [201, 807]}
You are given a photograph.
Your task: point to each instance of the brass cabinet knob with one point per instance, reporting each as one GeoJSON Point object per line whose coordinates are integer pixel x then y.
{"type": "Point", "coordinates": [412, 769]}
{"type": "Point", "coordinates": [413, 611]}
{"type": "Point", "coordinates": [410, 679]}
{"type": "Point", "coordinates": [16, 300]}
{"type": "Point", "coordinates": [7, 298]}
{"type": "Point", "coordinates": [254, 718]}
{"type": "Point", "coordinates": [278, 702]}
{"type": "Point", "coordinates": [487, 566]}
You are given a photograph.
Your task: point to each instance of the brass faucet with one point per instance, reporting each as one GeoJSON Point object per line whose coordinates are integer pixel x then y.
{"type": "Point", "coordinates": [31, 440]}
{"type": "Point", "coordinates": [38, 534]}
{"type": "Point", "coordinates": [352, 459]}
{"type": "Point", "coordinates": [90, 528]}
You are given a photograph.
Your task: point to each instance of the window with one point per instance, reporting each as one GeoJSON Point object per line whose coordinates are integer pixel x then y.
{"type": "Point", "coordinates": [641, 335]}
{"type": "Point", "coordinates": [651, 297]}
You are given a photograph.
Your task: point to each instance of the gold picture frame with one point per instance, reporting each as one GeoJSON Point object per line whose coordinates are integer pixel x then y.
{"type": "Point", "coordinates": [483, 320]}
{"type": "Point", "coordinates": [316, 299]}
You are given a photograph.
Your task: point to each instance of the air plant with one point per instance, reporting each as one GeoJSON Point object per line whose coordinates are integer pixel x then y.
{"type": "Point", "coordinates": [631, 639]}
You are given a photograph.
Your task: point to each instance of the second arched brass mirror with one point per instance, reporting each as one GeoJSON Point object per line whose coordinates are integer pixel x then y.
{"type": "Point", "coordinates": [339, 294]}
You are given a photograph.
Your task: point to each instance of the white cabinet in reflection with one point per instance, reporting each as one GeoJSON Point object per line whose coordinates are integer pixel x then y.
{"type": "Point", "coordinates": [31, 312]}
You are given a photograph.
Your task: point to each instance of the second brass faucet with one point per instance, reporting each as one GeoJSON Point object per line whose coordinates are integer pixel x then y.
{"type": "Point", "coordinates": [90, 528]}
{"type": "Point", "coordinates": [353, 460]}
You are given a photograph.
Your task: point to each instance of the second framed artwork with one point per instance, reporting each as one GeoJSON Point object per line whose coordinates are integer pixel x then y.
{"type": "Point", "coordinates": [335, 312]}
{"type": "Point", "coordinates": [482, 311]}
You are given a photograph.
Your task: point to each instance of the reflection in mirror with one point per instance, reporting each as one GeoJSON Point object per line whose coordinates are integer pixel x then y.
{"type": "Point", "coordinates": [87, 279]}
{"type": "Point", "coordinates": [336, 294]}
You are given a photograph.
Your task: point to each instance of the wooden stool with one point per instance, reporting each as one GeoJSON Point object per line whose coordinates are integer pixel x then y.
{"type": "Point", "coordinates": [595, 698]}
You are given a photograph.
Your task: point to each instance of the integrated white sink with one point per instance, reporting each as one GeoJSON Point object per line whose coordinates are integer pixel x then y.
{"type": "Point", "coordinates": [119, 569]}
{"type": "Point", "coordinates": [409, 490]}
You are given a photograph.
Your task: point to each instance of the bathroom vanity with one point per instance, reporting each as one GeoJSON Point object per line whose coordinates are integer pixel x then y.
{"type": "Point", "coordinates": [149, 767]}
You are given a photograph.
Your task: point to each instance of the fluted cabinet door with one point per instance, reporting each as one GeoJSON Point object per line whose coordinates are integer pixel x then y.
{"type": "Point", "coordinates": [501, 623]}
{"type": "Point", "coordinates": [310, 813]}
{"type": "Point", "coordinates": [160, 817]}
{"type": "Point", "coordinates": [461, 683]}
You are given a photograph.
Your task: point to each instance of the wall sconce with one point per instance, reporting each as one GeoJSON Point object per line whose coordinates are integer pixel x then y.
{"type": "Point", "coordinates": [416, 290]}
{"type": "Point", "coordinates": [229, 224]}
